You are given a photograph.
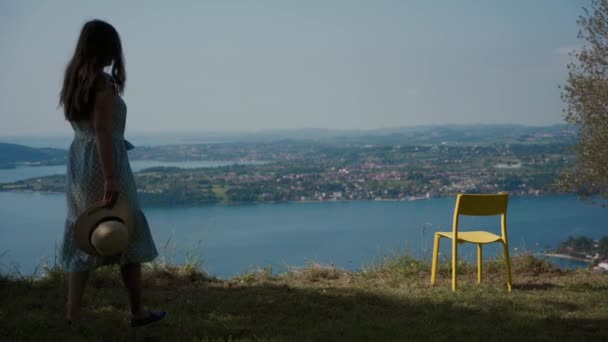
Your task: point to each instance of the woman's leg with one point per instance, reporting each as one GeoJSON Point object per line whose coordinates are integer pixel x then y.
{"type": "Point", "coordinates": [131, 276]}
{"type": "Point", "coordinates": [76, 285]}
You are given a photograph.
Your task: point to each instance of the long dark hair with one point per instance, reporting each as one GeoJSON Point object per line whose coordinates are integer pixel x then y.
{"type": "Point", "coordinates": [98, 46]}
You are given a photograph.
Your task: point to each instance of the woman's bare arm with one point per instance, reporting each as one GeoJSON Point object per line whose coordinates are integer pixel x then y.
{"type": "Point", "coordinates": [102, 121]}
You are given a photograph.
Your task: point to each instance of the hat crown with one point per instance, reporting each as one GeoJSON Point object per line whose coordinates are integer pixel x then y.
{"type": "Point", "coordinates": [110, 237]}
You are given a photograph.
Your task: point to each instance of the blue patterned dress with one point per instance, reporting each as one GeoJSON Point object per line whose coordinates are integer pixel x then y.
{"type": "Point", "coordinates": [85, 185]}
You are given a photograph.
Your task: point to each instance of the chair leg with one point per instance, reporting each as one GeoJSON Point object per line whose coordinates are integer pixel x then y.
{"type": "Point", "coordinates": [508, 265]}
{"type": "Point", "coordinates": [435, 259]}
{"type": "Point", "coordinates": [479, 263]}
{"type": "Point", "coordinates": [454, 263]}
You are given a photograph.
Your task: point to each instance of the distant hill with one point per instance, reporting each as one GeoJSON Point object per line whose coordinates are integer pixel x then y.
{"type": "Point", "coordinates": [468, 134]}
{"type": "Point", "coordinates": [12, 155]}
{"type": "Point", "coordinates": [449, 134]}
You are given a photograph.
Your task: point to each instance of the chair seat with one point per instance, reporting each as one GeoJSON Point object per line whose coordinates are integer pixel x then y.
{"type": "Point", "coordinates": [473, 237]}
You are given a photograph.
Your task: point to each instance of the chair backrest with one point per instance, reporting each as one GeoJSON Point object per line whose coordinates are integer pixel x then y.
{"type": "Point", "coordinates": [481, 205]}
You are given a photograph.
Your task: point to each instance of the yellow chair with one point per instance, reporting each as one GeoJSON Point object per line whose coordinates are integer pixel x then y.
{"type": "Point", "coordinates": [475, 205]}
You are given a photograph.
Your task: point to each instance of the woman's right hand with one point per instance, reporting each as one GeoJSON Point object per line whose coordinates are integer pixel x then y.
{"type": "Point", "coordinates": [111, 191]}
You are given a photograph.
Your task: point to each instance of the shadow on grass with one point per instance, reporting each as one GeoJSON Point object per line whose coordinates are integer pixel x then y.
{"type": "Point", "coordinates": [534, 287]}
{"type": "Point", "coordinates": [589, 287]}
{"type": "Point", "coordinates": [273, 312]}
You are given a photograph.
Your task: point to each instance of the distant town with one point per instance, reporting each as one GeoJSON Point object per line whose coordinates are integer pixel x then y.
{"type": "Point", "coordinates": [411, 165]}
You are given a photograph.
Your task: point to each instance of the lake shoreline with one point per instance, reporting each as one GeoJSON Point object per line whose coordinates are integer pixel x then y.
{"type": "Point", "coordinates": [566, 256]}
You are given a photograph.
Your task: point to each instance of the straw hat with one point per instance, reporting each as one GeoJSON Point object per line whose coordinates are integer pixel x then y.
{"type": "Point", "coordinates": [104, 231]}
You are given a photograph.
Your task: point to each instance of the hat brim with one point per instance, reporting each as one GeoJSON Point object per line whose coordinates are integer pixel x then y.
{"type": "Point", "coordinates": [92, 216]}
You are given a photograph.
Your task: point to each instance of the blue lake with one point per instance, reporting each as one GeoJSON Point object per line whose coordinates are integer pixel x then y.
{"type": "Point", "coordinates": [25, 172]}
{"type": "Point", "coordinates": [235, 239]}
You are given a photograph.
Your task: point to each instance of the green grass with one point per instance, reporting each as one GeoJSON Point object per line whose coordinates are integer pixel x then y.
{"type": "Point", "coordinates": [390, 301]}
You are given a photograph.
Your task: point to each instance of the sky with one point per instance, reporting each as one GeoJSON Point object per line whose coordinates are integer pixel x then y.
{"type": "Point", "coordinates": [256, 65]}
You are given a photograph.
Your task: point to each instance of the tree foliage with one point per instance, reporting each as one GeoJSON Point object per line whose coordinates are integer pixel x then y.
{"type": "Point", "coordinates": [602, 247]}
{"type": "Point", "coordinates": [579, 244]}
{"type": "Point", "coordinates": [586, 97]}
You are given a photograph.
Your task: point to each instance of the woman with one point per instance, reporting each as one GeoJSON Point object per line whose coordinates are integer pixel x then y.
{"type": "Point", "coordinates": [98, 166]}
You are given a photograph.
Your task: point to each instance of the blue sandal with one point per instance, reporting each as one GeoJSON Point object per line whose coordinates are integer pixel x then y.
{"type": "Point", "coordinates": [154, 316]}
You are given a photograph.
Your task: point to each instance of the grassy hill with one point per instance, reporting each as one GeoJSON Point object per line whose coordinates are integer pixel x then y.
{"type": "Point", "coordinates": [388, 302]}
